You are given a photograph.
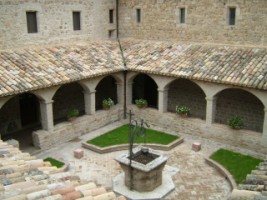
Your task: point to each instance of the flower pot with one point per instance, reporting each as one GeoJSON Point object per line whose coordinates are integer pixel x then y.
{"type": "Point", "coordinates": [142, 106]}
{"type": "Point", "coordinates": [184, 115]}
{"type": "Point", "coordinates": [106, 107]}
{"type": "Point", "coordinates": [70, 119]}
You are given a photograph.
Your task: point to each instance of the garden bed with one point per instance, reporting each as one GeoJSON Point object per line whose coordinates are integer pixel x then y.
{"type": "Point", "coordinates": [118, 139]}
{"type": "Point", "coordinates": [238, 165]}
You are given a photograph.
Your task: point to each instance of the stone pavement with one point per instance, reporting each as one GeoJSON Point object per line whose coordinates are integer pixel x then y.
{"type": "Point", "coordinates": [195, 180]}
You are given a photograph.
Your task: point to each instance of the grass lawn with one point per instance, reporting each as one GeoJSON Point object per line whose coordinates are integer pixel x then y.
{"type": "Point", "coordinates": [120, 136]}
{"type": "Point", "coordinates": [54, 162]}
{"type": "Point", "coordinates": [237, 164]}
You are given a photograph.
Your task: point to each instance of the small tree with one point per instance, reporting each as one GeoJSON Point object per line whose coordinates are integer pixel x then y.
{"type": "Point", "coordinates": [236, 122]}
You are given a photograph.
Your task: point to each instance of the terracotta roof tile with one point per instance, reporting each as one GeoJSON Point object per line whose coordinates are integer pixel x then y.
{"type": "Point", "coordinates": [22, 176]}
{"type": "Point", "coordinates": [34, 68]}
{"type": "Point", "coordinates": [241, 66]}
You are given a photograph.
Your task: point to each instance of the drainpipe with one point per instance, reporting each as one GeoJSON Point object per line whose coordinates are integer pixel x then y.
{"type": "Point", "coordinates": [124, 81]}
{"type": "Point", "coordinates": [117, 18]}
{"type": "Point", "coordinates": [123, 60]}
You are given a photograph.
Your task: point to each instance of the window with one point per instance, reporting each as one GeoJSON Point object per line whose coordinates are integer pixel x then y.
{"type": "Point", "coordinates": [182, 16]}
{"type": "Point", "coordinates": [138, 15]}
{"type": "Point", "coordinates": [76, 21]}
{"type": "Point", "coordinates": [32, 21]}
{"type": "Point", "coordinates": [111, 16]}
{"type": "Point", "coordinates": [111, 33]}
{"type": "Point", "coordinates": [231, 16]}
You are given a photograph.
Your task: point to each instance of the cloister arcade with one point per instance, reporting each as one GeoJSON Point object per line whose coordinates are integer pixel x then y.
{"type": "Point", "coordinates": [45, 109]}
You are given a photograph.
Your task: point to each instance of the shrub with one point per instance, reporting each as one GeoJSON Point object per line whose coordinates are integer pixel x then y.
{"type": "Point", "coordinates": [107, 103]}
{"type": "Point", "coordinates": [235, 122]}
{"type": "Point", "coordinates": [73, 113]}
{"type": "Point", "coordinates": [182, 109]}
{"type": "Point", "coordinates": [54, 162]}
{"type": "Point", "coordinates": [141, 103]}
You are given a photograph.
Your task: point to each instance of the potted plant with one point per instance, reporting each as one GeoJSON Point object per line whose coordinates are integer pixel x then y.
{"type": "Point", "coordinates": [182, 110]}
{"type": "Point", "coordinates": [141, 103]}
{"type": "Point", "coordinates": [107, 103]}
{"type": "Point", "coordinates": [235, 122]}
{"type": "Point", "coordinates": [72, 114]}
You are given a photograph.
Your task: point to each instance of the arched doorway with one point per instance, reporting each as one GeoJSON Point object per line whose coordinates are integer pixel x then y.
{"type": "Point", "coordinates": [106, 88]}
{"type": "Point", "coordinates": [146, 88]}
{"type": "Point", "coordinates": [19, 117]}
{"type": "Point", "coordinates": [186, 92]}
{"type": "Point", "coordinates": [68, 97]}
{"type": "Point", "coordinates": [237, 102]}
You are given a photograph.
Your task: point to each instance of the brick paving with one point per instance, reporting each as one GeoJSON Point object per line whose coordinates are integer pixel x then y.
{"type": "Point", "coordinates": [195, 180]}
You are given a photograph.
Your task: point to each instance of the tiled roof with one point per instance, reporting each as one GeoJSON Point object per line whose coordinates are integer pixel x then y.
{"type": "Point", "coordinates": [246, 67]}
{"type": "Point", "coordinates": [34, 68]}
{"type": "Point", "coordinates": [23, 177]}
{"type": "Point", "coordinates": [255, 185]}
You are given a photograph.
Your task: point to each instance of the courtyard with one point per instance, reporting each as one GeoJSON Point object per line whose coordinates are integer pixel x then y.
{"type": "Point", "coordinates": [192, 176]}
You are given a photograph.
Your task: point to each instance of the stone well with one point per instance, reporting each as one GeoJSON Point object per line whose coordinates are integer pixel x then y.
{"type": "Point", "coordinates": [142, 177]}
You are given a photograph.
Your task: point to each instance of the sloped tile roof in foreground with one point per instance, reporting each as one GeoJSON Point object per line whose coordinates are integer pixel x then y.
{"type": "Point", "coordinates": [39, 67]}
{"type": "Point", "coordinates": [24, 177]}
{"type": "Point", "coordinates": [239, 66]}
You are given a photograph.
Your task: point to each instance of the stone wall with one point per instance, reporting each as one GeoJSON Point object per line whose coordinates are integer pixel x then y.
{"type": "Point", "coordinates": [106, 88]}
{"type": "Point", "coordinates": [67, 131]}
{"type": "Point", "coordinates": [10, 117]}
{"type": "Point", "coordinates": [205, 21]}
{"type": "Point", "coordinates": [54, 19]}
{"type": "Point", "coordinates": [184, 92]}
{"type": "Point", "coordinates": [68, 97]}
{"type": "Point", "coordinates": [235, 102]}
{"type": "Point", "coordinates": [199, 128]}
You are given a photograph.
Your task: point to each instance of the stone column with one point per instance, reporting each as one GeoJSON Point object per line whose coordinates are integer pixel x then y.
{"type": "Point", "coordinates": [264, 131]}
{"type": "Point", "coordinates": [210, 109]}
{"type": "Point", "coordinates": [163, 100]}
{"type": "Point", "coordinates": [129, 93]}
{"type": "Point", "coordinates": [47, 120]}
{"type": "Point", "coordinates": [120, 93]}
{"type": "Point", "coordinates": [89, 101]}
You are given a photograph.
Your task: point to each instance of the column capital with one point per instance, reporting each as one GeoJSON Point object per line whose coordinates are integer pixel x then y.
{"type": "Point", "coordinates": [214, 98]}
{"type": "Point", "coordinates": [47, 101]}
{"type": "Point", "coordinates": [163, 90]}
{"type": "Point", "coordinates": [89, 92]}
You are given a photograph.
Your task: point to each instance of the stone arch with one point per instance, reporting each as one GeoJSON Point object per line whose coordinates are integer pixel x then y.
{"type": "Point", "coordinates": [186, 92]}
{"type": "Point", "coordinates": [69, 96]}
{"type": "Point", "coordinates": [145, 87]}
{"type": "Point", "coordinates": [19, 117]}
{"type": "Point", "coordinates": [238, 102]}
{"type": "Point", "coordinates": [106, 88]}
